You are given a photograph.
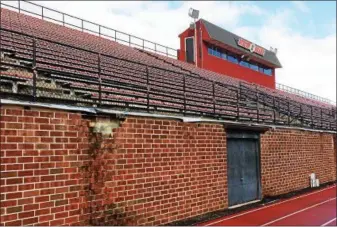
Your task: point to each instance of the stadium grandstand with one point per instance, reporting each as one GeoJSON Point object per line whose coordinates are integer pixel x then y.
{"type": "Point", "coordinates": [49, 62]}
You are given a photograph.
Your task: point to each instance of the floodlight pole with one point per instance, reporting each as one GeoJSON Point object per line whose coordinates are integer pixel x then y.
{"type": "Point", "coordinates": [194, 14]}
{"type": "Point", "coordinates": [195, 42]}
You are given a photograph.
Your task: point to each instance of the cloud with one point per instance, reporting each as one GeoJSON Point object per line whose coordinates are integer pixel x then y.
{"type": "Point", "coordinates": [155, 21]}
{"type": "Point", "coordinates": [308, 63]}
{"type": "Point", "coordinates": [300, 5]}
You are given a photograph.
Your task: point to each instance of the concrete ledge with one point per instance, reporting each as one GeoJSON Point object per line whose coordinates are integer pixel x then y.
{"type": "Point", "coordinates": [95, 110]}
{"type": "Point", "coordinates": [47, 105]}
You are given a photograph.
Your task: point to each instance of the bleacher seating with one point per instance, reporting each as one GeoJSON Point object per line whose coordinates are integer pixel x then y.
{"type": "Point", "coordinates": [73, 65]}
{"type": "Point", "coordinates": [233, 81]}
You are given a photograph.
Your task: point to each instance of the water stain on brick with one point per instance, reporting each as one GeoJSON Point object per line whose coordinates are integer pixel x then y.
{"type": "Point", "coordinates": [61, 202]}
{"type": "Point", "coordinates": [57, 196]}
{"type": "Point", "coordinates": [14, 209]}
{"type": "Point", "coordinates": [75, 188]}
{"type": "Point", "coordinates": [55, 171]}
{"type": "Point", "coordinates": [8, 174]}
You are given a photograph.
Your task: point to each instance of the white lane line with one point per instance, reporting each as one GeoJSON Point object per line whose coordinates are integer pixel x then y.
{"type": "Point", "coordinates": [271, 205]}
{"type": "Point", "coordinates": [327, 223]}
{"type": "Point", "coordinates": [299, 211]}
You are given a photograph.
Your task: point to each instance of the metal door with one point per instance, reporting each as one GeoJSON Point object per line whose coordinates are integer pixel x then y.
{"type": "Point", "coordinates": [189, 45]}
{"type": "Point", "coordinates": [243, 167]}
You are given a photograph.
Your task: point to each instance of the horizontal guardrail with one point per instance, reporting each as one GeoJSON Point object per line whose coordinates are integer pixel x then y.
{"type": "Point", "coordinates": [83, 25]}
{"type": "Point", "coordinates": [304, 94]}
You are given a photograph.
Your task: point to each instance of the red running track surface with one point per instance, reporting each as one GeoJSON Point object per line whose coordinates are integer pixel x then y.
{"type": "Point", "coordinates": [315, 208]}
{"type": "Point", "coordinates": [331, 222]}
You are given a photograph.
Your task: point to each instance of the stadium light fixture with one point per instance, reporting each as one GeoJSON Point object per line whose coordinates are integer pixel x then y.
{"type": "Point", "coordinates": [275, 51]}
{"type": "Point", "coordinates": [193, 13]}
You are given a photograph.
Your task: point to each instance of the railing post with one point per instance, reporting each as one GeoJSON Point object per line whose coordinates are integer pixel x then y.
{"type": "Point", "coordinates": [238, 92]}
{"type": "Point", "coordinates": [42, 13]}
{"type": "Point", "coordinates": [330, 113]}
{"type": "Point", "coordinates": [115, 36]}
{"type": "Point", "coordinates": [34, 70]}
{"type": "Point", "coordinates": [129, 40]}
{"type": "Point", "coordinates": [288, 104]}
{"type": "Point", "coordinates": [82, 25]}
{"type": "Point", "coordinates": [148, 89]}
{"type": "Point", "coordinates": [99, 81]}
{"type": "Point", "coordinates": [274, 111]}
{"type": "Point", "coordinates": [184, 89]}
{"type": "Point", "coordinates": [321, 117]}
{"type": "Point", "coordinates": [167, 52]}
{"type": "Point", "coordinates": [63, 18]}
{"type": "Point", "coordinates": [257, 106]}
{"type": "Point", "coordinates": [143, 45]}
{"type": "Point", "coordinates": [214, 100]}
{"type": "Point", "coordinates": [334, 112]}
{"type": "Point", "coordinates": [301, 113]}
{"type": "Point", "coordinates": [155, 47]}
{"type": "Point", "coordinates": [99, 30]}
{"type": "Point", "coordinates": [311, 117]}
{"type": "Point", "coordinates": [237, 103]}
{"type": "Point", "coordinates": [19, 6]}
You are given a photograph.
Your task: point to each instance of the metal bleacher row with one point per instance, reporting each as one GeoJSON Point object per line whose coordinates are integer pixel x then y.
{"type": "Point", "coordinates": [45, 61]}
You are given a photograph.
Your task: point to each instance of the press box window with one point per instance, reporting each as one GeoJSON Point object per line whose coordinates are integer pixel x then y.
{"type": "Point", "coordinates": [233, 59]}
{"type": "Point", "coordinates": [268, 71]}
{"type": "Point", "coordinates": [254, 67]}
{"type": "Point", "coordinates": [224, 56]}
{"type": "Point", "coordinates": [244, 63]}
{"type": "Point", "coordinates": [217, 53]}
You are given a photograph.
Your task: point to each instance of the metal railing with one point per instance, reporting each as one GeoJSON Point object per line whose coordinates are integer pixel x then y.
{"type": "Point", "coordinates": [42, 70]}
{"type": "Point", "coordinates": [124, 38]}
{"type": "Point", "coordinates": [304, 94]}
{"type": "Point", "coordinates": [45, 13]}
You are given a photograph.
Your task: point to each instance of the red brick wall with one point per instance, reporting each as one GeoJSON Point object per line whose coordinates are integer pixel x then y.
{"type": "Point", "coordinates": [289, 156]}
{"type": "Point", "coordinates": [153, 171]}
{"type": "Point", "coordinates": [171, 170]}
{"type": "Point", "coordinates": [56, 171]}
{"type": "Point", "coordinates": [40, 153]}
{"type": "Point", "coordinates": [335, 156]}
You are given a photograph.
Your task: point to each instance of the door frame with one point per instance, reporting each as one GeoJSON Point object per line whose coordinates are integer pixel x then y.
{"type": "Point", "coordinates": [185, 40]}
{"type": "Point", "coordinates": [251, 135]}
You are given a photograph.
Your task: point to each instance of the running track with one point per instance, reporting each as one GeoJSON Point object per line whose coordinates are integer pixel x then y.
{"type": "Point", "coordinates": [317, 208]}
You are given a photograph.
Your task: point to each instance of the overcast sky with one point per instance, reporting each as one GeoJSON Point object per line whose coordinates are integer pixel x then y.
{"type": "Point", "coordinates": [303, 32]}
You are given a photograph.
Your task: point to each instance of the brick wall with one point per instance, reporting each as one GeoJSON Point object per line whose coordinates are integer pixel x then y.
{"type": "Point", "coordinates": [289, 156]}
{"type": "Point", "coordinates": [169, 170]}
{"type": "Point", "coordinates": [40, 152]}
{"type": "Point", "coordinates": [334, 164]}
{"type": "Point", "coordinates": [56, 171]}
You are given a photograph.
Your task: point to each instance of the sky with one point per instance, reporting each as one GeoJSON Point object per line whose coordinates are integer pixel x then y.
{"type": "Point", "coordinates": [304, 32]}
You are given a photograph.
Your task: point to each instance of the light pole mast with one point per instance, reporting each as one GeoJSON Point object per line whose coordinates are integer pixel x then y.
{"type": "Point", "coordinates": [193, 13]}
{"type": "Point", "coordinates": [195, 43]}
